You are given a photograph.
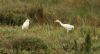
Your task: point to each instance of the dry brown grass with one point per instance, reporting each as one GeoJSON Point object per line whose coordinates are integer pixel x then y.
{"type": "Point", "coordinates": [83, 12]}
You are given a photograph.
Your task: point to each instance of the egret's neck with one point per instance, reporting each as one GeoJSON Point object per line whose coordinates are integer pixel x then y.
{"type": "Point", "coordinates": [60, 23]}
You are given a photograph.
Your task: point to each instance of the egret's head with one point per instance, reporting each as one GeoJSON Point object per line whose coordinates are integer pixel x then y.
{"type": "Point", "coordinates": [57, 21]}
{"type": "Point", "coordinates": [27, 20]}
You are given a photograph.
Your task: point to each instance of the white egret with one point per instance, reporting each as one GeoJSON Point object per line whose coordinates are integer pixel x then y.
{"type": "Point", "coordinates": [66, 26]}
{"type": "Point", "coordinates": [25, 24]}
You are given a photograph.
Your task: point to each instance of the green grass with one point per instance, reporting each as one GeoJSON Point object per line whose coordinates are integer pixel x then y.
{"type": "Point", "coordinates": [56, 38]}
{"type": "Point", "coordinates": [44, 36]}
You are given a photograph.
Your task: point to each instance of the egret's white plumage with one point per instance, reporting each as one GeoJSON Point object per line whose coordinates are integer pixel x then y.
{"type": "Point", "coordinates": [25, 24]}
{"type": "Point", "coordinates": [66, 26]}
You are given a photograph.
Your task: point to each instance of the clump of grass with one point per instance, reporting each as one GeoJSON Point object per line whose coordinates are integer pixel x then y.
{"type": "Point", "coordinates": [27, 43]}
{"type": "Point", "coordinates": [88, 44]}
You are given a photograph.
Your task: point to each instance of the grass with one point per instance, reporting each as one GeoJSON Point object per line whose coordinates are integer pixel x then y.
{"type": "Point", "coordinates": [55, 37]}
{"type": "Point", "coordinates": [44, 36]}
{"type": "Point", "coordinates": [14, 12]}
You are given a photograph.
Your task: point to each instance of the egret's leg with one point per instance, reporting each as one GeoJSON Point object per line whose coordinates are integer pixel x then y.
{"type": "Point", "coordinates": [67, 32]}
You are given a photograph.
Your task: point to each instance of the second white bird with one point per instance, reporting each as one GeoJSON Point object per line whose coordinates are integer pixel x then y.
{"type": "Point", "coordinates": [66, 26]}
